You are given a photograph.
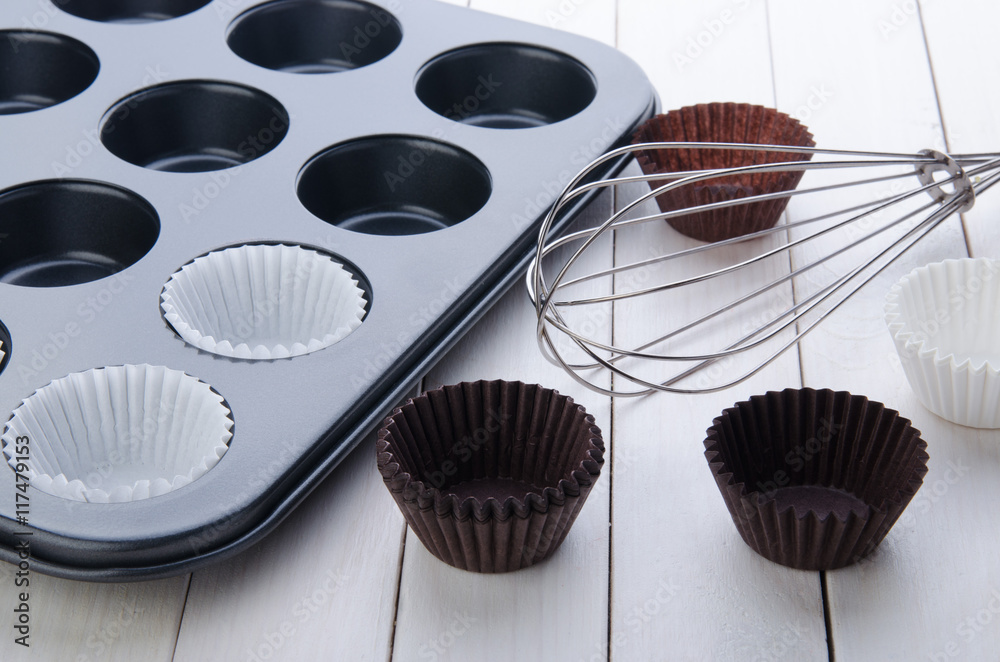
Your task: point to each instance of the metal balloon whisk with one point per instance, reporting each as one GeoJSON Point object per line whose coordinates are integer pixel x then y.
{"type": "Point", "coordinates": [648, 317]}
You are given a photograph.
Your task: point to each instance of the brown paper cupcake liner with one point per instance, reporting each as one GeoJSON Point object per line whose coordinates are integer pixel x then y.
{"type": "Point", "coordinates": [722, 122]}
{"type": "Point", "coordinates": [490, 475]}
{"type": "Point", "coordinates": [814, 479]}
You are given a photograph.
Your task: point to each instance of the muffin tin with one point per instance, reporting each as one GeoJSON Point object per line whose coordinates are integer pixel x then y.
{"type": "Point", "coordinates": [414, 143]}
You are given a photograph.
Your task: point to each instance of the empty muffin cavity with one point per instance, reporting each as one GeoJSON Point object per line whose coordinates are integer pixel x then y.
{"type": "Point", "coordinates": [194, 126]}
{"type": "Point", "coordinates": [42, 69]}
{"type": "Point", "coordinates": [314, 36]}
{"type": "Point", "coordinates": [505, 86]}
{"type": "Point", "coordinates": [394, 185]}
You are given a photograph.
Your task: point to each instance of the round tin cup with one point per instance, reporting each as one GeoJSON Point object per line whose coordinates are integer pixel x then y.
{"type": "Point", "coordinates": [129, 11]}
{"type": "Point", "coordinates": [42, 69]}
{"type": "Point", "coordinates": [194, 126]}
{"type": "Point", "coordinates": [505, 86]}
{"type": "Point", "coordinates": [314, 36]}
{"type": "Point", "coordinates": [80, 231]}
{"type": "Point", "coordinates": [394, 185]}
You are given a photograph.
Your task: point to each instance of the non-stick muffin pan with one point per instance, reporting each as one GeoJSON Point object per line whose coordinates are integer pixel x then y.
{"type": "Point", "coordinates": [234, 234]}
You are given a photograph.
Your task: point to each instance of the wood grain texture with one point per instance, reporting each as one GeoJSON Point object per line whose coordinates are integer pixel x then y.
{"type": "Point", "coordinates": [685, 586]}
{"type": "Point", "coordinates": [82, 621]}
{"type": "Point", "coordinates": [962, 50]}
{"type": "Point", "coordinates": [589, 18]}
{"type": "Point", "coordinates": [556, 609]}
{"type": "Point", "coordinates": [936, 569]}
{"type": "Point", "coordinates": [320, 587]}
{"type": "Point", "coordinates": [699, 53]}
{"type": "Point", "coordinates": [654, 568]}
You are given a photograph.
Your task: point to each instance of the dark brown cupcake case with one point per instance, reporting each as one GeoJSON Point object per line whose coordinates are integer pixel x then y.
{"type": "Point", "coordinates": [490, 475]}
{"type": "Point", "coordinates": [814, 479]}
{"type": "Point", "coordinates": [728, 123]}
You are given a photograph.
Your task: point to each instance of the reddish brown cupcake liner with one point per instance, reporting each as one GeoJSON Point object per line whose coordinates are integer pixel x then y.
{"type": "Point", "coordinates": [722, 122]}
{"type": "Point", "coordinates": [814, 479]}
{"type": "Point", "coordinates": [490, 475]}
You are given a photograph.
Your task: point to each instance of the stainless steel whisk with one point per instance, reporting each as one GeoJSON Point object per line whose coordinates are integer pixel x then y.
{"type": "Point", "coordinates": [680, 358]}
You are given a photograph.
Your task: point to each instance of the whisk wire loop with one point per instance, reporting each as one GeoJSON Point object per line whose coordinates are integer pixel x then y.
{"type": "Point", "coordinates": [951, 183]}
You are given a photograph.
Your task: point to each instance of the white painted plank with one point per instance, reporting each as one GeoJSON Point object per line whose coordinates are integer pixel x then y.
{"type": "Point", "coordinates": [320, 587]}
{"type": "Point", "coordinates": [937, 566]}
{"type": "Point", "coordinates": [962, 48]}
{"type": "Point", "coordinates": [82, 621]}
{"type": "Point", "coordinates": [671, 528]}
{"type": "Point", "coordinates": [685, 586]}
{"type": "Point", "coordinates": [589, 18]}
{"type": "Point", "coordinates": [699, 52]}
{"type": "Point", "coordinates": [555, 610]}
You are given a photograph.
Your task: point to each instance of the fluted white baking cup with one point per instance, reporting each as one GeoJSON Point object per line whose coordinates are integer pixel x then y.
{"type": "Point", "coordinates": [945, 321]}
{"type": "Point", "coordinates": [119, 434]}
{"type": "Point", "coordinates": [263, 302]}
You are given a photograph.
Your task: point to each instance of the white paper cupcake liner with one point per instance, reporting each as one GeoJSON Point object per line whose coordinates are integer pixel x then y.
{"type": "Point", "coordinates": [120, 434]}
{"type": "Point", "coordinates": [945, 321]}
{"type": "Point", "coordinates": [263, 302]}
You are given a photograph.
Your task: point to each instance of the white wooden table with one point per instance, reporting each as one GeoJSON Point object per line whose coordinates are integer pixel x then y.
{"type": "Point", "coordinates": [342, 579]}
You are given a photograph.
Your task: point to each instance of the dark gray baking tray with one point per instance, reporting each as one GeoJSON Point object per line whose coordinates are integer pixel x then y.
{"type": "Point", "coordinates": [513, 111]}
